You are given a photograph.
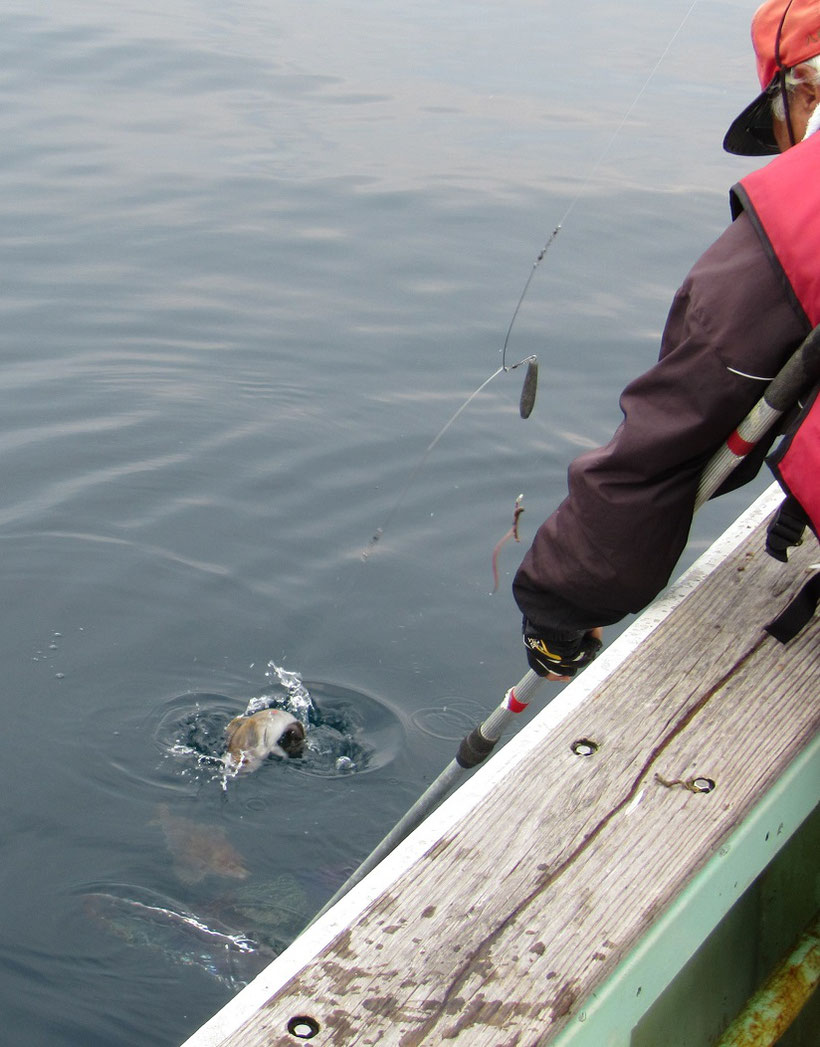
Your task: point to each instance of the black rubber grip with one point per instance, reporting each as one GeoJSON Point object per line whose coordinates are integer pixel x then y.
{"type": "Point", "coordinates": [473, 749]}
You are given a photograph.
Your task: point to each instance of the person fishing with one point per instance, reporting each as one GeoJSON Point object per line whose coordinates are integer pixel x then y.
{"type": "Point", "coordinates": [751, 298]}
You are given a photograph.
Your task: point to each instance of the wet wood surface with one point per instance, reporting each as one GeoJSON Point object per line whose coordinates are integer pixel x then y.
{"type": "Point", "coordinates": [498, 934]}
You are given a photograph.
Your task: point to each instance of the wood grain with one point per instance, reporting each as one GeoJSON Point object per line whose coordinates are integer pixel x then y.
{"type": "Point", "coordinates": [515, 916]}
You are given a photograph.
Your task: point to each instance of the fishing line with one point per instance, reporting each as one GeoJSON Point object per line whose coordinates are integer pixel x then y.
{"type": "Point", "coordinates": [592, 172]}
{"type": "Point", "coordinates": [529, 389]}
{"type": "Point", "coordinates": [421, 463]}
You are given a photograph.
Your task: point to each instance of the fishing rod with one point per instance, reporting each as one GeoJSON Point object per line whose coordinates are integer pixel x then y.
{"type": "Point", "coordinates": [800, 373]}
{"type": "Point", "coordinates": [530, 385]}
{"type": "Point", "coordinates": [580, 191]}
{"type": "Point", "coordinates": [479, 743]}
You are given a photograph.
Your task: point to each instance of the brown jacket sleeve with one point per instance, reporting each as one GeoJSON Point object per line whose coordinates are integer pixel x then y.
{"type": "Point", "coordinates": [611, 546]}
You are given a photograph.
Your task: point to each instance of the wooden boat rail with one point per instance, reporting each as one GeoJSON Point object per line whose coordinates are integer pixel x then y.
{"type": "Point", "coordinates": [556, 895]}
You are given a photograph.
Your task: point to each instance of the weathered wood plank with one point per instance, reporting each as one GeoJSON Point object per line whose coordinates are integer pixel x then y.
{"type": "Point", "coordinates": [498, 934]}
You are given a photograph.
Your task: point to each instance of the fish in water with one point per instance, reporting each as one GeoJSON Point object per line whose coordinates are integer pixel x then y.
{"type": "Point", "coordinates": [199, 850]}
{"type": "Point", "coordinates": [146, 919]}
{"type": "Point", "coordinates": [250, 740]}
{"type": "Point", "coordinates": [276, 909]}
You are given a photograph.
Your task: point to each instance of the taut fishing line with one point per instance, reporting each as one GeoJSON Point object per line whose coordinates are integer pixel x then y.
{"type": "Point", "coordinates": [529, 389]}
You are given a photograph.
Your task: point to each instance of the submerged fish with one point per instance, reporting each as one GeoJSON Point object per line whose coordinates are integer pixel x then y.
{"type": "Point", "coordinates": [276, 909]}
{"type": "Point", "coordinates": [199, 850]}
{"type": "Point", "coordinates": [144, 918]}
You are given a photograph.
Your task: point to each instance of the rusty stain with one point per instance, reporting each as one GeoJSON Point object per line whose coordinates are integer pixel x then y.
{"type": "Point", "coordinates": [343, 1025]}
{"type": "Point", "coordinates": [567, 995]}
{"type": "Point", "coordinates": [344, 978]}
{"type": "Point", "coordinates": [342, 974]}
{"type": "Point", "coordinates": [412, 1038]}
{"type": "Point", "coordinates": [392, 928]}
{"type": "Point", "coordinates": [383, 1005]}
{"type": "Point", "coordinates": [599, 956]}
{"type": "Point", "coordinates": [342, 944]}
{"type": "Point", "coordinates": [494, 1014]}
{"type": "Point", "coordinates": [513, 1042]}
{"type": "Point", "coordinates": [782, 997]}
{"type": "Point", "coordinates": [382, 906]}
{"type": "Point", "coordinates": [742, 567]}
{"type": "Point", "coordinates": [439, 849]}
{"type": "Point", "coordinates": [428, 912]}
{"type": "Point", "coordinates": [538, 948]}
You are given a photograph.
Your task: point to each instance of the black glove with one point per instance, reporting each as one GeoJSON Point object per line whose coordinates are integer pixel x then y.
{"type": "Point", "coordinates": [562, 657]}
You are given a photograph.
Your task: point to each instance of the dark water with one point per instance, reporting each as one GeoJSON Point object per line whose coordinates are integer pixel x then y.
{"type": "Point", "coordinates": [254, 256]}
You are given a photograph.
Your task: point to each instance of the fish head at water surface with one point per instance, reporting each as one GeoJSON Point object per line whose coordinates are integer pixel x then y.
{"type": "Point", "coordinates": [250, 740]}
{"type": "Point", "coordinates": [292, 739]}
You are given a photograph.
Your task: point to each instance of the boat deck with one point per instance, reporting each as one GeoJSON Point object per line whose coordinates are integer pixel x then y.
{"type": "Point", "coordinates": [554, 896]}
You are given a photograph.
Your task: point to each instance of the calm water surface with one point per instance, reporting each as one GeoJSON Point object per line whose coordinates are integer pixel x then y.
{"type": "Point", "coordinates": [254, 256]}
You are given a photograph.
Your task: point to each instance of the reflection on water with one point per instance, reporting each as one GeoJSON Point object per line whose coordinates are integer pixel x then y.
{"type": "Point", "coordinates": [147, 920]}
{"type": "Point", "coordinates": [254, 257]}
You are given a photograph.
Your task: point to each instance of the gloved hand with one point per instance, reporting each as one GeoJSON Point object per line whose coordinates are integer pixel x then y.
{"type": "Point", "coordinates": [560, 658]}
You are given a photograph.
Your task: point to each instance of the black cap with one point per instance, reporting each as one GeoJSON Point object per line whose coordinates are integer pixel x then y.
{"type": "Point", "coordinates": [751, 133]}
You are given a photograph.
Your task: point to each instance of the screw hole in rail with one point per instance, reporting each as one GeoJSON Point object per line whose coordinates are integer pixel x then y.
{"type": "Point", "coordinates": [303, 1027]}
{"type": "Point", "coordinates": [584, 747]}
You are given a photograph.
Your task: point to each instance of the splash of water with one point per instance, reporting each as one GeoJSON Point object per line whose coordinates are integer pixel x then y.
{"type": "Point", "coordinates": [324, 740]}
{"type": "Point", "coordinates": [340, 729]}
{"type": "Point", "coordinates": [298, 701]}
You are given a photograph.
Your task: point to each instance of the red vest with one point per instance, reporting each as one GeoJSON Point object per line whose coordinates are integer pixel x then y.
{"type": "Point", "coordinates": [783, 203]}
